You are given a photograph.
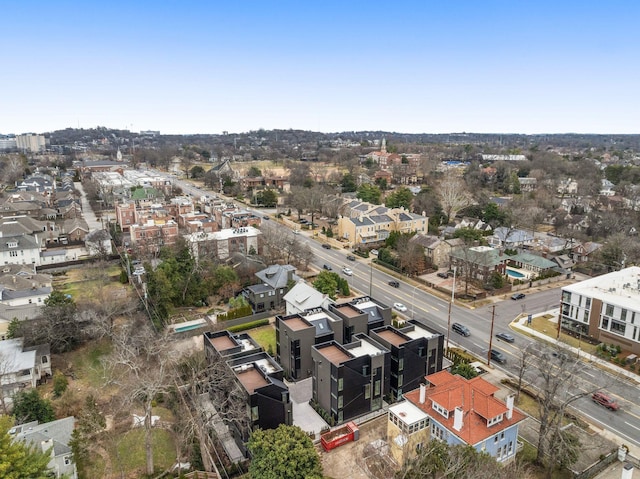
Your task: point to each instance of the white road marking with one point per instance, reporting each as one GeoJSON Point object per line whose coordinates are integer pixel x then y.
{"type": "Point", "coordinates": [629, 424]}
{"type": "Point", "coordinates": [589, 374]}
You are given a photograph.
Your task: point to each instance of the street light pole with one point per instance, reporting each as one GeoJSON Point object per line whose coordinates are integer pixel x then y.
{"type": "Point", "coordinates": [453, 296]}
{"type": "Point", "coordinates": [413, 300]}
{"type": "Point", "coordinates": [370, 276]}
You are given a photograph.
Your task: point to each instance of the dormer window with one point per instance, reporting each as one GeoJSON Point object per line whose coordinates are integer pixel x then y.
{"type": "Point", "coordinates": [436, 407]}
{"type": "Point", "coordinates": [12, 244]}
{"type": "Point", "coordinates": [494, 420]}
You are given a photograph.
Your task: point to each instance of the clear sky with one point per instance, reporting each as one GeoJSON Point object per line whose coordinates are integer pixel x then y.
{"type": "Point", "coordinates": [441, 66]}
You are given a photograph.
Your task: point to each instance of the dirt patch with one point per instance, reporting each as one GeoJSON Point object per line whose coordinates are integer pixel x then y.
{"type": "Point", "coordinates": [367, 458]}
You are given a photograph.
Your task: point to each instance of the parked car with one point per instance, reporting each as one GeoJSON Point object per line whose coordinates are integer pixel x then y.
{"type": "Point", "coordinates": [350, 257]}
{"type": "Point", "coordinates": [326, 245]}
{"type": "Point", "coordinates": [374, 252]}
{"type": "Point", "coordinates": [509, 338]}
{"type": "Point", "coordinates": [443, 275]}
{"type": "Point", "coordinates": [400, 307]}
{"type": "Point", "coordinates": [296, 232]}
{"type": "Point", "coordinates": [498, 356]}
{"type": "Point", "coordinates": [394, 283]}
{"type": "Point", "coordinates": [461, 329]}
{"type": "Point", "coordinates": [605, 400]}
{"type": "Point", "coordinates": [347, 271]}
{"type": "Point", "coordinates": [266, 218]}
{"type": "Point", "coordinates": [517, 296]}
{"type": "Point", "coordinates": [327, 267]}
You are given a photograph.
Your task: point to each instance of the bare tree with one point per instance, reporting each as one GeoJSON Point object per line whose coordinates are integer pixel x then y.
{"type": "Point", "coordinates": [558, 386]}
{"type": "Point", "coordinates": [141, 365]}
{"type": "Point", "coordinates": [7, 369]}
{"type": "Point", "coordinates": [453, 195]}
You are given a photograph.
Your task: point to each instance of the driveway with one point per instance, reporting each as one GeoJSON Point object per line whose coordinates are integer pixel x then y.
{"type": "Point", "coordinates": [304, 416]}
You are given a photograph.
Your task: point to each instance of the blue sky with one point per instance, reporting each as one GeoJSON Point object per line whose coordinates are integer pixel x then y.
{"type": "Point", "coordinates": [406, 66]}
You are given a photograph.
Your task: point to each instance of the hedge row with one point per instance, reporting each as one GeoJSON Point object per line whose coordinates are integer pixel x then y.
{"type": "Point", "coordinates": [249, 325]}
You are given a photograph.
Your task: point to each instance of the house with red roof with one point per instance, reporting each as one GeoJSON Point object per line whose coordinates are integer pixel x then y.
{"type": "Point", "coordinates": [456, 410]}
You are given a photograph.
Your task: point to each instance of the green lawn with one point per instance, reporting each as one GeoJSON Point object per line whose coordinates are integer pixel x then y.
{"type": "Point", "coordinates": [265, 336]}
{"type": "Point", "coordinates": [130, 453]}
{"type": "Point", "coordinates": [86, 363]}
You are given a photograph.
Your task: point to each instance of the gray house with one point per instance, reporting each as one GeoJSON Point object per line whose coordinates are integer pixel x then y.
{"type": "Point", "coordinates": [269, 294]}
{"type": "Point", "coordinates": [54, 435]}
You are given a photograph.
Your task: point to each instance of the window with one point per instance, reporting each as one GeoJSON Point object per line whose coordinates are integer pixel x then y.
{"type": "Point", "coordinates": [588, 305]}
{"type": "Point", "coordinates": [376, 388]}
{"type": "Point", "coordinates": [605, 323]}
{"type": "Point", "coordinates": [495, 440]}
{"type": "Point", "coordinates": [399, 380]}
{"type": "Point", "coordinates": [618, 327]}
{"type": "Point", "coordinates": [367, 391]}
{"type": "Point", "coordinates": [609, 310]}
{"type": "Point", "coordinates": [254, 413]}
{"type": "Point", "coordinates": [400, 364]}
{"type": "Point", "coordinates": [623, 315]}
{"type": "Point", "coordinates": [340, 384]}
{"type": "Point", "coordinates": [510, 447]}
{"type": "Point", "coordinates": [67, 460]}
{"type": "Point", "coordinates": [340, 399]}
{"type": "Point", "coordinates": [45, 360]}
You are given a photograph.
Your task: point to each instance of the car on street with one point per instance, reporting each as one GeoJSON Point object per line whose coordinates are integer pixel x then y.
{"type": "Point", "coordinates": [350, 257]}
{"type": "Point", "coordinates": [327, 267]}
{"type": "Point", "coordinates": [394, 283]}
{"type": "Point", "coordinates": [326, 245]}
{"type": "Point", "coordinates": [374, 252]}
{"type": "Point", "coordinates": [461, 329]}
{"type": "Point", "coordinates": [442, 275]}
{"type": "Point", "coordinates": [509, 338]}
{"type": "Point", "coordinates": [605, 400]}
{"type": "Point", "coordinates": [517, 296]}
{"type": "Point", "coordinates": [347, 271]}
{"type": "Point", "coordinates": [400, 307]}
{"type": "Point", "coordinates": [296, 232]}
{"type": "Point", "coordinates": [498, 356]}
{"type": "Point", "coordinates": [266, 218]}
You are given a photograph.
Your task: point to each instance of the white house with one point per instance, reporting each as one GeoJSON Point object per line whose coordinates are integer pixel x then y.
{"type": "Point", "coordinates": [22, 367]}
{"type": "Point", "coordinates": [23, 249]}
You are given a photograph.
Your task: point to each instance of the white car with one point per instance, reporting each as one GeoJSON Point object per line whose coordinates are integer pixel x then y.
{"type": "Point", "coordinates": [296, 232]}
{"type": "Point", "coordinates": [347, 271]}
{"type": "Point", "coordinates": [400, 307]}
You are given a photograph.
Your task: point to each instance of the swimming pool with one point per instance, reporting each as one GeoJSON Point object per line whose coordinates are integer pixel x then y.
{"type": "Point", "coordinates": [515, 274]}
{"type": "Point", "coordinates": [181, 329]}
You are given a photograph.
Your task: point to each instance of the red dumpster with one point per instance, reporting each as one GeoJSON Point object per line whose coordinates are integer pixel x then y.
{"type": "Point", "coordinates": [338, 437]}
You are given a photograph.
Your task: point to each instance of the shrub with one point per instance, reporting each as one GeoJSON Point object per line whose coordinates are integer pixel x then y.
{"type": "Point", "coordinates": [249, 325]}
{"type": "Point", "coordinates": [60, 384]}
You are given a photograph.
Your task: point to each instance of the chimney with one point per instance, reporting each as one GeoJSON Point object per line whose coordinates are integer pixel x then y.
{"type": "Point", "coordinates": [510, 400]}
{"type": "Point", "coordinates": [361, 218]}
{"type": "Point", "coordinates": [457, 419]}
{"type": "Point", "coordinates": [627, 471]}
{"type": "Point", "coordinates": [423, 393]}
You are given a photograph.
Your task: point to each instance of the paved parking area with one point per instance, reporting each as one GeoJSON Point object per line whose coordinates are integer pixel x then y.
{"type": "Point", "coordinates": [304, 415]}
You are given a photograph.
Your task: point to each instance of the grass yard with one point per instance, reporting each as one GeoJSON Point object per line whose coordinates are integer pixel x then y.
{"type": "Point", "coordinates": [129, 452]}
{"type": "Point", "coordinates": [265, 336]}
{"type": "Point", "coordinates": [86, 364]}
{"type": "Point", "coordinates": [90, 281]}
{"type": "Point", "coordinates": [542, 324]}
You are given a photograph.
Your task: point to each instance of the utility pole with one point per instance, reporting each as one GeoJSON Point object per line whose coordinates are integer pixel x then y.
{"type": "Point", "coordinates": [493, 316]}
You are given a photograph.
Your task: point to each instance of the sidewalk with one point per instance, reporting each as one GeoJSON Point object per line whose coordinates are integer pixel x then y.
{"type": "Point", "coordinates": [521, 325]}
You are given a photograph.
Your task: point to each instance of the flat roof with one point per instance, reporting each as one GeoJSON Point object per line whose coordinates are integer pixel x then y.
{"type": "Point", "coordinates": [250, 377]}
{"type": "Point", "coordinates": [365, 349]}
{"type": "Point", "coordinates": [420, 331]}
{"type": "Point", "coordinates": [393, 337]}
{"type": "Point", "coordinates": [296, 323]}
{"type": "Point", "coordinates": [407, 412]}
{"type": "Point", "coordinates": [348, 310]}
{"type": "Point", "coordinates": [222, 343]}
{"type": "Point", "coordinates": [334, 354]}
{"type": "Point", "coordinates": [621, 288]}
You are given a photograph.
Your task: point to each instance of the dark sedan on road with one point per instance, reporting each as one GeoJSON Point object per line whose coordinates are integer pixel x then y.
{"type": "Point", "coordinates": [509, 338]}
{"type": "Point", "coordinates": [498, 356]}
{"type": "Point", "coordinates": [517, 296]}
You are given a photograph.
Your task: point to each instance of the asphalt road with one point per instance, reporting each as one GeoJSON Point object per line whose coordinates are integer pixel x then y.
{"type": "Point", "coordinates": [434, 312]}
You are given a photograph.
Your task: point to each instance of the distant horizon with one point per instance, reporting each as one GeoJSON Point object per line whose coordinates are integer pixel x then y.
{"type": "Point", "coordinates": [200, 67]}
{"type": "Point", "coordinates": [229, 133]}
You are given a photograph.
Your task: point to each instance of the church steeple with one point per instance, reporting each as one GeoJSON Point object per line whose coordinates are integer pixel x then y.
{"type": "Point", "coordinates": [383, 148]}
